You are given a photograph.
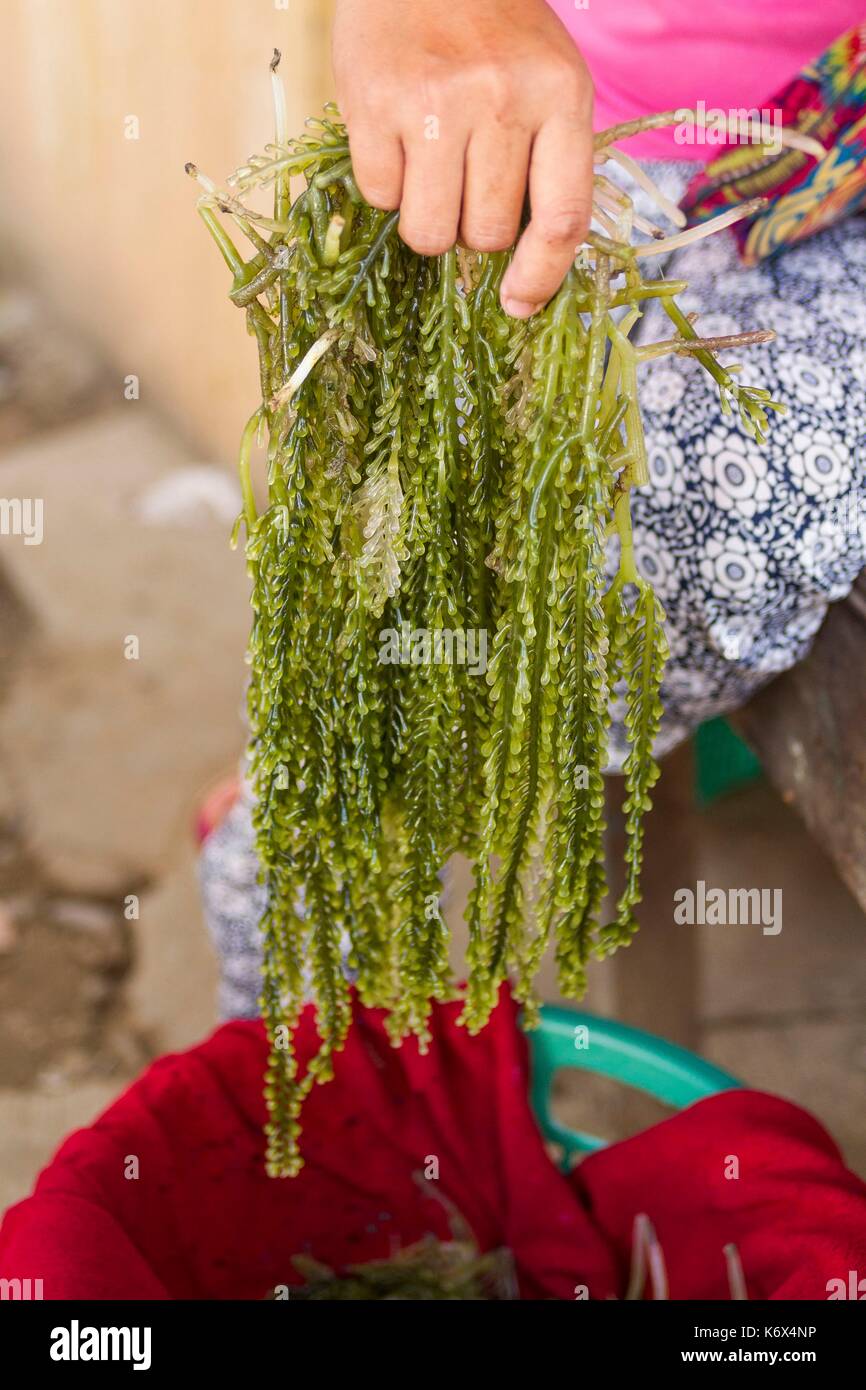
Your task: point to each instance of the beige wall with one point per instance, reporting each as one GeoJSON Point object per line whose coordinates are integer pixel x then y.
{"type": "Point", "coordinates": [107, 225]}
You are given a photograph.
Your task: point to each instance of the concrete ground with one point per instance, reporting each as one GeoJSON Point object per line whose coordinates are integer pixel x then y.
{"type": "Point", "coordinates": [121, 646]}
{"type": "Point", "coordinates": [121, 649]}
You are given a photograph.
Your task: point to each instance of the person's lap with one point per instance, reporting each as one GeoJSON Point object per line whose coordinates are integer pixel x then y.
{"type": "Point", "coordinates": [747, 545]}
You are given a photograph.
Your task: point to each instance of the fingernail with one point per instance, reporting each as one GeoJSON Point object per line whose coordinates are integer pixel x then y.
{"type": "Point", "coordinates": [519, 308]}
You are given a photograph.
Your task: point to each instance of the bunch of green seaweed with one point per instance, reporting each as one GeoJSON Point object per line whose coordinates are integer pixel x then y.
{"type": "Point", "coordinates": [433, 1270]}
{"type": "Point", "coordinates": [429, 1270]}
{"type": "Point", "coordinates": [440, 479]}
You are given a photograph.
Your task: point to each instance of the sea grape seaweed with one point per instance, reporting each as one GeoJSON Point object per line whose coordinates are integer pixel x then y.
{"type": "Point", "coordinates": [436, 468]}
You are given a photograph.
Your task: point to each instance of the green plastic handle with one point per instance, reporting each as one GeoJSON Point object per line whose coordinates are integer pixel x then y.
{"type": "Point", "coordinates": [669, 1073]}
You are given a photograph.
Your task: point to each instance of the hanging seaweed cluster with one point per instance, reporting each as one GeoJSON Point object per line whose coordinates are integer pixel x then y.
{"type": "Point", "coordinates": [435, 644]}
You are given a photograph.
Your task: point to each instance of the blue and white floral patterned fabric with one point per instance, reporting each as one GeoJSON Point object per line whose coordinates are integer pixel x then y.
{"type": "Point", "coordinates": [745, 545]}
{"type": "Point", "coordinates": [234, 902]}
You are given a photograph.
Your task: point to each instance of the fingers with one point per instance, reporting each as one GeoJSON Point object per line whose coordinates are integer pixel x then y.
{"type": "Point", "coordinates": [377, 161]}
{"type": "Point", "coordinates": [497, 161]}
{"type": "Point", "coordinates": [560, 194]}
{"type": "Point", "coordinates": [432, 188]}
{"type": "Point", "coordinates": [452, 109]}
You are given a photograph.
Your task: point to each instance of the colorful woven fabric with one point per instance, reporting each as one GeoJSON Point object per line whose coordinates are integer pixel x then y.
{"type": "Point", "coordinates": [826, 100]}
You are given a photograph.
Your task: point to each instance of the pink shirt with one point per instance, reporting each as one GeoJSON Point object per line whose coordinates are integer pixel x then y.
{"type": "Point", "coordinates": [651, 55]}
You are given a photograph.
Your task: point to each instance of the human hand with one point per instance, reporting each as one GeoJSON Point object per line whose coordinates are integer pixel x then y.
{"type": "Point", "coordinates": [454, 109]}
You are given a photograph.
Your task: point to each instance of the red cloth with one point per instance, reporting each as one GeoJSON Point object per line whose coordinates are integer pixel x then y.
{"type": "Point", "coordinates": [201, 1220]}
